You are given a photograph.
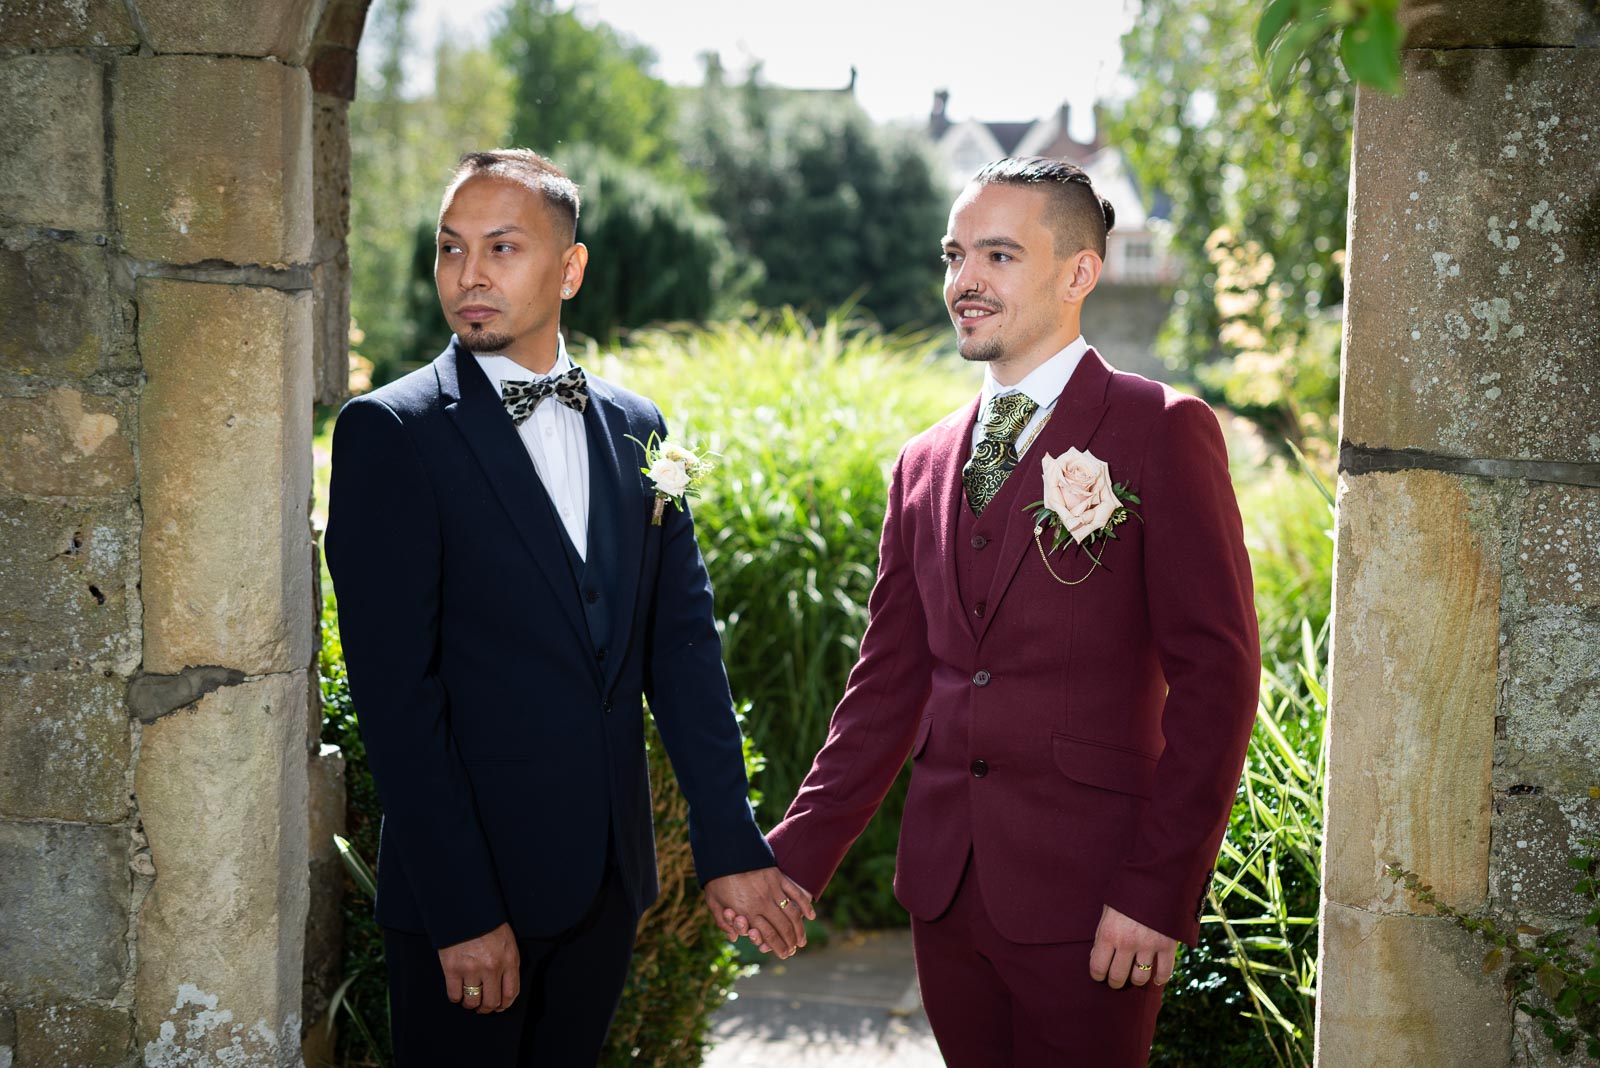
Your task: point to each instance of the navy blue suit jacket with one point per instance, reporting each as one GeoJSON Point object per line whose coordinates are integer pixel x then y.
{"type": "Point", "coordinates": [504, 744]}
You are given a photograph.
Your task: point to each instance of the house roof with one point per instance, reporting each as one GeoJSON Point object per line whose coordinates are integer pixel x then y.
{"type": "Point", "coordinates": [1008, 135]}
{"type": "Point", "coordinates": [969, 144]}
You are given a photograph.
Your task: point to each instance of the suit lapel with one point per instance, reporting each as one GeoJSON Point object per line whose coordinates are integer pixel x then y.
{"type": "Point", "coordinates": [949, 497]}
{"type": "Point", "coordinates": [1072, 425]}
{"type": "Point", "coordinates": [616, 527]}
{"type": "Point", "coordinates": [473, 406]}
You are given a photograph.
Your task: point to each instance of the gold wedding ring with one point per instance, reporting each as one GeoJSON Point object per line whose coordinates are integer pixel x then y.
{"type": "Point", "coordinates": [1143, 967]}
{"type": "Point", "coordinates": [472, 991]}
{"type": "Point", "coordinates": [784, 903]}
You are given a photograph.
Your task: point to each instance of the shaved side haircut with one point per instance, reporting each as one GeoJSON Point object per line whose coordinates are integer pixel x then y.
{"type": "Point", "coordinates": [529, 169]}
{"type": "Point", "coordinates": [1079, 218]}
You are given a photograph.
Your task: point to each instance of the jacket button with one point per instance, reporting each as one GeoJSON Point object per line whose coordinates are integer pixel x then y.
{"type": "Point", "coordinates": [591, 596]}
{"type": "Point", "coordinates": [979, 608]}
{"type": "Point", "coordinates": [599, 654]}
{"type": "Point", "coordinates": [981, 678]}
{"type": "Point", "coordinates": [607, 708]}
{"type": "Point", "coordinates": [979, 769]}
{"type": "Point", "coordinates": [979, 541]}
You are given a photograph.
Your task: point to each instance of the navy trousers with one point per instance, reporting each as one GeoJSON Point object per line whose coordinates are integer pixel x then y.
{"type": "Point", "coordinates": [571, 984]}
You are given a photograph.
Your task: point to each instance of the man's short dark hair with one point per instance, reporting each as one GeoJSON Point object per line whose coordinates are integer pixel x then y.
{"type": "Point", "coordinates": [526, 168]}
{"type": "Point", "coordinates": [1079, 218]}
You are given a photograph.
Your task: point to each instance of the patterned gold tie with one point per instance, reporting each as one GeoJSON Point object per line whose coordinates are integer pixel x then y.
{"type": "Point", "coordinates": [995, 456]}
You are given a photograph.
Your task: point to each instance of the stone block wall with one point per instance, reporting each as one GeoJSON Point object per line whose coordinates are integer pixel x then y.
{"type": "Point", "coordinates": [173, 202]}
{"type": "Point", "coordinates": [1123, 321]}
{"type": "Point", "coordinates": [1465, 718]}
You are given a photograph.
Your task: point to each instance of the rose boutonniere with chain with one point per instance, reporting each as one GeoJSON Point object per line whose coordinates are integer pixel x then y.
{"type": "Point", "coordinates": [1084, 506]}
{"type": "Point", "coordinates": [674, 470]}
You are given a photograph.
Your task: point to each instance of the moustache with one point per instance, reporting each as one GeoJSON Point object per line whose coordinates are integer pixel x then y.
{"type": "Point", "coordinates": [973, 298]}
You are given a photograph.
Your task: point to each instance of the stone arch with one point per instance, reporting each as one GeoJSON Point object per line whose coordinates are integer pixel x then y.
{"type": "Point", "coordinates": [173, 208]}
{"type": "Point", "coordinates": [172, 251]}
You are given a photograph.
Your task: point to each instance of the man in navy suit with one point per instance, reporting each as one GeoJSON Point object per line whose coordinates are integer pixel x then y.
{"type": "Point", "coordinates": [506, 607]}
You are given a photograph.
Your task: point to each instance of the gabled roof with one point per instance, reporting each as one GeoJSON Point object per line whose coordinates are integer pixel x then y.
{"type": "Point", "coordinates": [1008, 135]}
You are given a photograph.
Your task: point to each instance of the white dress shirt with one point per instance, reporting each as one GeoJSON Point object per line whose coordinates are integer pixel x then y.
{"type": "Point", "coordinates": [1042, 385]}
{"type": "Point", "coordinates": [555, 440]}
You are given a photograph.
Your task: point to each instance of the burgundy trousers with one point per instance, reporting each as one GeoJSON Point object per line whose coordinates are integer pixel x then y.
{"type": "Point", "coordinates": [993, 1002]}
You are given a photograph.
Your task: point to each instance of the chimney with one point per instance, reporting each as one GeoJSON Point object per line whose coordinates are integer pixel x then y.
{"type": "Point", "coordinates": [938, 121]}
{"type": "Point", "coordinates": [711, 63]}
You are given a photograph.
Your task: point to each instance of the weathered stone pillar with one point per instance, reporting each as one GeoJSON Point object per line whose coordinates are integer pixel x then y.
{"type": "Point", "coordinates": [1465, 718]}
{"type": "Point", "coordinates": [332, 65]}
{"type": "Point", "coordinates": [213, 189]}
{"type": "Point", "coordinates": [69, 550]}
{"type": "Point", "coordinates": [159, 246]}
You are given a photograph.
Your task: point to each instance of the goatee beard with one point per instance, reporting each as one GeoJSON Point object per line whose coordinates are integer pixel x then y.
{"type": "Point", "coordinates": [477, 339]}
{"type": "Point", "coordinates": [974, 351]}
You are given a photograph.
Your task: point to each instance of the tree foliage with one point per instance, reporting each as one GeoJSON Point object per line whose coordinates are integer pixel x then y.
{"type": "Point", "coordinates": [1258, 187]}
{"type": "Point", "coordinates": [581, 84]}
{"type": "Point", "coordinates": [403, 145]}
{"type": "Point", "coordinates": [757, 193]}
{"type": "Point", "coordinates": [654, 255]}
{"type": "Point", "coordinates": [832, 206]}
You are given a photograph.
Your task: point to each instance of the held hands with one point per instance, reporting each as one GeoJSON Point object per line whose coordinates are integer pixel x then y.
{"type": "Point", "coordinates": [483, 974]}
{"type": "Point", "coordinates": [764, 904]}
{"type": "Point", "coordinates": [1122, 945]}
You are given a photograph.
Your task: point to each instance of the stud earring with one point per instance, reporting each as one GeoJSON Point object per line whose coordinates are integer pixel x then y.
{"type": "Point", "coordinates": [566, 291]}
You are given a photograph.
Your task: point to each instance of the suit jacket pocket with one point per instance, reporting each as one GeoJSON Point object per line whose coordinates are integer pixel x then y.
{"type": "Point", "coordinates": [1107, 767]}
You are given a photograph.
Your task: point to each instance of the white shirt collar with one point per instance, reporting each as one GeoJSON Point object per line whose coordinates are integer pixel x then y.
{"type": "Point", "coordinates": [500, 368]}
{"type": "Point", "coordinates": [1045, 382]}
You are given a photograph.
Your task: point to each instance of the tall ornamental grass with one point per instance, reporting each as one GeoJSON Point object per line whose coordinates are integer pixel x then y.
{"type": "Point", "coordinates": [806, 420]}
{"type": "Point", "coordinates": [1246, 997]}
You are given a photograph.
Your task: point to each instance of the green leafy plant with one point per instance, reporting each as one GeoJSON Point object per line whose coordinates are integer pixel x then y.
{"type": "Point", "coordinates": [363, 995]}
{"type": "Point", "coordinates": [1258, 185]}
{"type": "Point", "coordinates": [1368, 33]}
{"type": "Point", "coordinates": [367, 883]}
{"type": "Point", "coordinates": [683, 968]}
{"type": "Point", "coordinates": [1264, 896]}
{"type": "Point", "coordinates": [1554, 976]}
{"type": "Point", "coordinates": [1246, 996]}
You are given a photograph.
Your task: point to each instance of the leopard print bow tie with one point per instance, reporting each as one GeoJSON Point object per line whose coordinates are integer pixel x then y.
{"type": "Point", "coordinates": [521, 398]}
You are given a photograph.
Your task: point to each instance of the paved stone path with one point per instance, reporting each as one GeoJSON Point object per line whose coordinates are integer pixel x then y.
{"type": "Point", "coordinates": [850, 1004]}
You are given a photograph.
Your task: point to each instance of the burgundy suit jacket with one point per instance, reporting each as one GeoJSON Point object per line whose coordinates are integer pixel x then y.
{"type": "Point", "coordinates": [1110, 717]}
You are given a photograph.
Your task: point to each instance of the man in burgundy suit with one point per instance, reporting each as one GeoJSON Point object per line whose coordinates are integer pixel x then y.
{"type": "Point", "coordinates": [1077, 716]}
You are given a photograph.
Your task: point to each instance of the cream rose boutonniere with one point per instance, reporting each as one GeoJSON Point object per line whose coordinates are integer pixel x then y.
{"type": "Point", "coordinates": [1083, 504]}
{"type": "Point", "coordinates": [674, 471]}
